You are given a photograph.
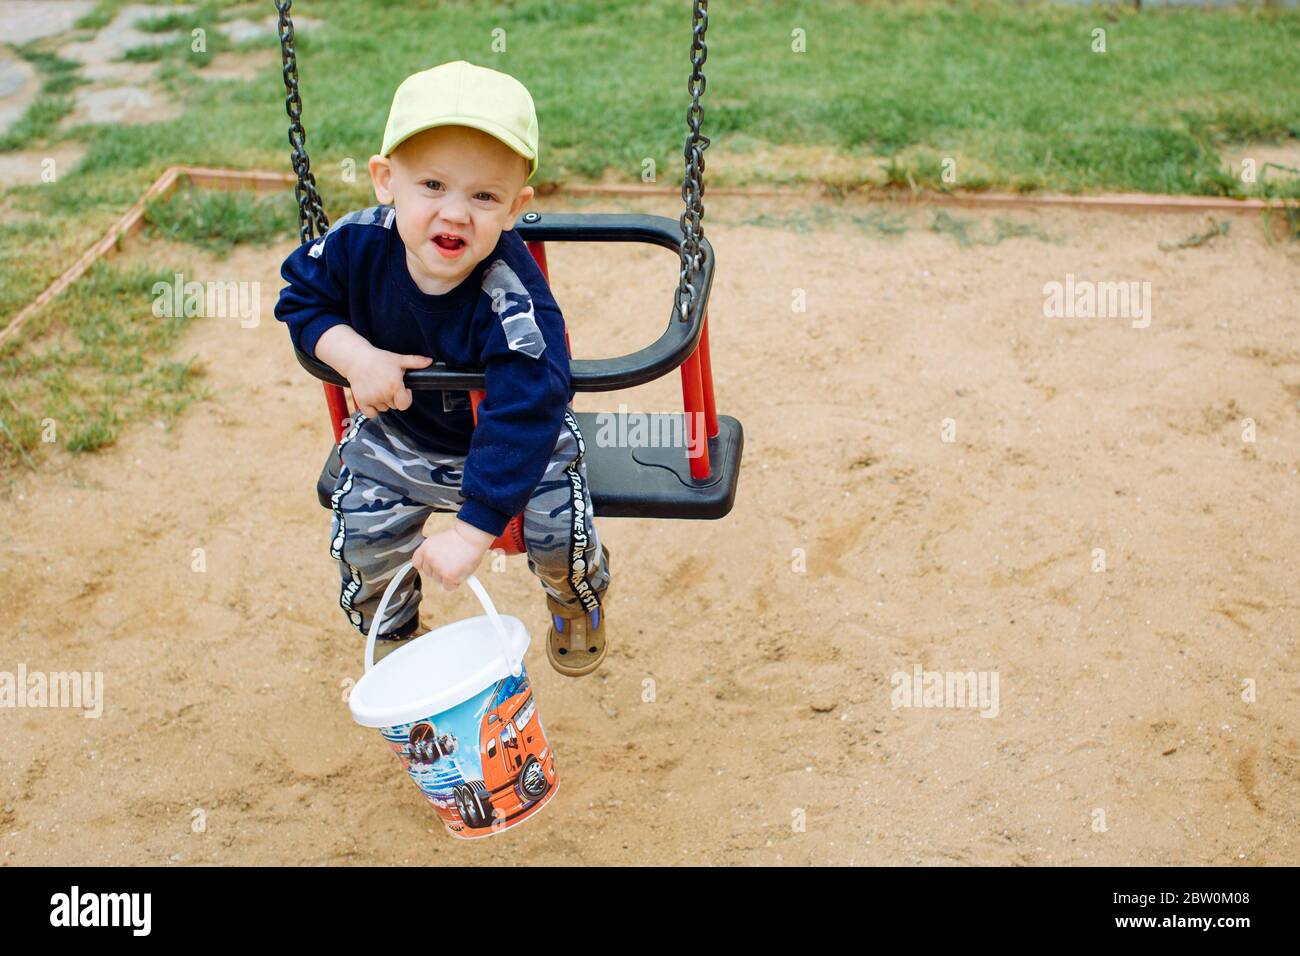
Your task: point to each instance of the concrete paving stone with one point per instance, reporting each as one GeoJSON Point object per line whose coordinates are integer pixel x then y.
{"type": "Point", "coordinates": [27, 20]}
{"type": "Point", "coordinates": [19, 85]}
{"type": "Point", "coordinates": [27, 167]}
{"type": "Point", "coordinates": [131, 105]}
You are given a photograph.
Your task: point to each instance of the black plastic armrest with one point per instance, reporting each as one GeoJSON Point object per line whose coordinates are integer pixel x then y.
{"type": "Point", "coordinates": [668, 352]}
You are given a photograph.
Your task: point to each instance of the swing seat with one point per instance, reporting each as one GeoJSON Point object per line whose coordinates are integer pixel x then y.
{"type": "Point", "coordinates": [645, 471]}
{"type": "Point", "coordinates": [637, 482]}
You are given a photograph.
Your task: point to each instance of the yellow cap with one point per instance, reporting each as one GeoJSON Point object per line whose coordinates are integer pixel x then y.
{"type": "Point", "coordinates": [461, 94]}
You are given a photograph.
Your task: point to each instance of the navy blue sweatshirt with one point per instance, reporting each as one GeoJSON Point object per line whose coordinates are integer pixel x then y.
{"type": "Point", "coordinates": [502, 319]}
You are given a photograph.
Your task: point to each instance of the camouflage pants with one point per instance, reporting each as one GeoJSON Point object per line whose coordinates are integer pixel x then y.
{"type": "Point", "coordinates": [387, 489]}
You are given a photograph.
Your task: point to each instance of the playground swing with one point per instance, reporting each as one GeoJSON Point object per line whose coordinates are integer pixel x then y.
{"type": "Point", "coordinates": [626, 480]}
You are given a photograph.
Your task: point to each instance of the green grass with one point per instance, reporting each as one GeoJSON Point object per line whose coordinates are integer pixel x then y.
{"type": "Point", "coordinates": [41, 117]}
{"type": "Point", "coordinates": [1027, 107]}
{"type": "Point", "coordinates": [181, 48]}
{"type": "Point", "coordinates": [975, 232]}
{"type": "Point", "coordinates": [1282, 224]}
{"type": "Point", "coordinates": [216, 220]}
{"type": "Point", "coordinates": [182, 22]}
{"type": "Point", "coordinates": [804, 221]}
{"type": "Point", "coordinates": [880, 222]}
{"type": "Point", "coordinates": [1010, 94]}
{"type": "Point", "coordinates": [79, 371]}
{"type": "Point", "coordinates": [818, 216]}
{"type": "Point", "coordinates": [59, 77]}
{"type": "Point", "coordinates": [1214, 229]}
{"type": "Point", "coordinates": [99, 16]}
{"type": "Point", "coordinates": [46, 226]}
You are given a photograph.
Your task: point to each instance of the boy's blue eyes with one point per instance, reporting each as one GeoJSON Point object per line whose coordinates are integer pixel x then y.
{"type": "Point", "coordinates": [433, 183]}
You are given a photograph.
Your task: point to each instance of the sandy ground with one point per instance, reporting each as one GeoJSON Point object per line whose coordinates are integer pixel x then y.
{"type": "Point", "coordinates": [1126, 729]}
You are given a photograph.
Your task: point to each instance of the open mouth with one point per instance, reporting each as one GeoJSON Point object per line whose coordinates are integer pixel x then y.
{"type": "Point", "coordinates": [449, 242]}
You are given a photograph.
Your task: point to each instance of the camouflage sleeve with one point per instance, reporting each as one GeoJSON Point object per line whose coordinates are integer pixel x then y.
{"type": "Point", "coordinates": [526, 367]}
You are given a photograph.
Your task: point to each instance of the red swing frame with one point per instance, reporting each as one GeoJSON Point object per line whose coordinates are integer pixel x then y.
{"type": "Point", "coordinates": [697, 400]}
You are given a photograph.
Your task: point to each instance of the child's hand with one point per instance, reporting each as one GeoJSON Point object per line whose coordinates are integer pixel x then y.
{"type": "Point", "coordinates": [451, 556]}
{"type": "Point", "coordinates": [375, 377]}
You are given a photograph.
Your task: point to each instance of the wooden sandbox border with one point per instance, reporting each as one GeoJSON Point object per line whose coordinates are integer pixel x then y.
{"type": "Point", "coordinates": [214, 178]}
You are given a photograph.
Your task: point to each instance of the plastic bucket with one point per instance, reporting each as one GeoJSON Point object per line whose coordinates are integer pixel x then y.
{"type": "Point", "coordinates": [456, 707]}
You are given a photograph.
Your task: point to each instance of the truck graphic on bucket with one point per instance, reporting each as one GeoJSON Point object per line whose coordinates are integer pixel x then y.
{"type": "Point", "coordinates": [425, 746]}
{"type": "Point", "coordinates": [518, 765]}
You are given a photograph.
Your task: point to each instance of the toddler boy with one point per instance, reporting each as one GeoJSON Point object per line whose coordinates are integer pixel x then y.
{"type": "Point", "coordinates": [437, 272]}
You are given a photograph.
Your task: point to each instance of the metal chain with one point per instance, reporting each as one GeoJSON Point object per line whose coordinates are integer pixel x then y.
{"type": "Point", "coordinates": [693, 180]}
{"type": "Point", "coordinates": [311, 213]}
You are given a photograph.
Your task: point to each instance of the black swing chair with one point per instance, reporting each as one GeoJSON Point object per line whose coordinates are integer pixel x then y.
{"type": "Point", "coordinates": [625, 482]}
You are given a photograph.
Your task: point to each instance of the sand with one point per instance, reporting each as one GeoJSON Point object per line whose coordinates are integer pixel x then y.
{"type": "Point", "coordinates": [1146, 713]}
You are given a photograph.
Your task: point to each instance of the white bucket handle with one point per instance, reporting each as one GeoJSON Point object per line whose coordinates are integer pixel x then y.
{"type": "Point", "coordinates": [479, 592]}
